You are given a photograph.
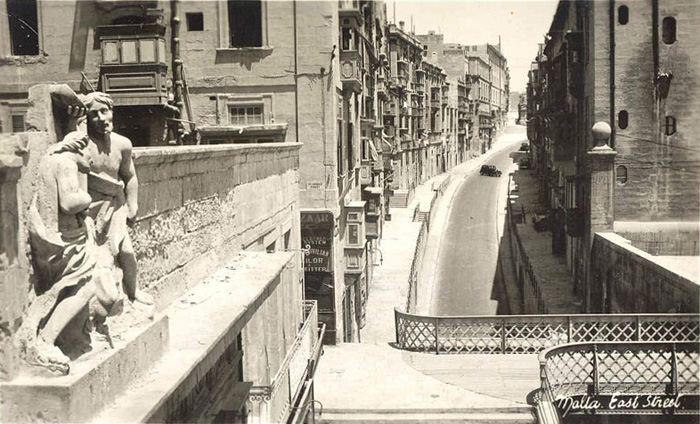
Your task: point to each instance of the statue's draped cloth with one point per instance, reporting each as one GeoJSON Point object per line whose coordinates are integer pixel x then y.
{"type": "Point", "coordinates": [63, 259]}
{"type": "Point", "coordinates": [108, 212]}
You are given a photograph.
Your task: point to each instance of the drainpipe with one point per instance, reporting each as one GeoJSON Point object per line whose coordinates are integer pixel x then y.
{"type": "Point", "coordinates": [655, 52]}
{"type": "Point", "coordinates": [177, 62]}
{"type": "Point", "coordinates": [613, 120]}
{"type": "Point", "coordinates": [296, 74]}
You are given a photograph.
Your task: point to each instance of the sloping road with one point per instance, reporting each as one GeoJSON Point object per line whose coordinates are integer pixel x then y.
{"type": "Point", "coordinates": [466, 282]}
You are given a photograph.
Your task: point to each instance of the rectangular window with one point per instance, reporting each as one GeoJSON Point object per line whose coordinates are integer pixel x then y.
{"type": "Point", "coordinates": [23, 19]}
{"type": "Point", "coordinates": [195, 21]}
{"type": "Point", "coordinates": [148, 50]}
{"type": "Point", "coordinates": [110, 52]}
{"type": "Point", "coordinates": [246, 115]}
{"type": "Point", "coordinates": [18, 123]}
{"type": "Point", "coordinates": [353, 234]}
{"type": "Point", "coordinates": [161, 50]}
{"type": "Point", "coordinates": [129, 53]}
{"type": "Point", "coordinates": [245, 23]}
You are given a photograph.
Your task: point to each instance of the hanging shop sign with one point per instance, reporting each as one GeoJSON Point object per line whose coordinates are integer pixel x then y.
{"type": "Point", "coordinates": [317, 235]}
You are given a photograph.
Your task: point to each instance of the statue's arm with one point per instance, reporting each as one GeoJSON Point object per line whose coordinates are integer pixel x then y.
{"type": "Point", "coordinates": [127, 171]}
{"type": "Point", "coordinates": [71, 199]}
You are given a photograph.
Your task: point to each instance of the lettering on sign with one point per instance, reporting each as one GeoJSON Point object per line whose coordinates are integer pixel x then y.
{"type": "Point", "coordinates": [317, 234]}
{"type": "Point", "coordinates": [620, 403]}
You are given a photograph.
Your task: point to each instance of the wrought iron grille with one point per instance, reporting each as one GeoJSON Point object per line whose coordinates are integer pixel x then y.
{"type": "Point", "coordinates": [534, 333]}
{"type": "Point", "coordinates": [633, 368]}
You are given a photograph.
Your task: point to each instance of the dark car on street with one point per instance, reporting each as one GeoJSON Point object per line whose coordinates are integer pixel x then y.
{"type": "Point", "coordinates": [490, 170]}
{"type": "Point", "coordinates": [525, 163]}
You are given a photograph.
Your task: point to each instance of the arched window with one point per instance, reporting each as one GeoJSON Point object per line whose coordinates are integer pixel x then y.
{"type": "Point", "coordinates": [622, 119]}
{"type": "Point", "coordinates": [668, 30]}
{"type": "Point", "coordinates": [621, 174]}
{"type": "Point", "coordinates": [623, 15]}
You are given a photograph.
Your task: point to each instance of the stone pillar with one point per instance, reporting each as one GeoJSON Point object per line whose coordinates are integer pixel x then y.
{"type": "Point", "coordinates": [13, 275]}
{"type": "Point", "coordinates": [600, 176]}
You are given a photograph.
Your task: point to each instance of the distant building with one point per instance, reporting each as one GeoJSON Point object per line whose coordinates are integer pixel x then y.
{"type": "Point", "coordinates": [634, 67]}
{"type": "Point", "coordinates": [416, 116]}
{"type": "Point", "coordinates": [488, 63]}
{"type": "Point", "coordinates": [522, 109]}
{"type": "Point", "coordinates": [451, 57]}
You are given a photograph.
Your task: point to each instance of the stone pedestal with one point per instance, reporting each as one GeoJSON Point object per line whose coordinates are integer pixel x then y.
{"type": "Point", "coordinates": [95, 381]}
{"type": "Point", "coordinates": [601, 177]}
{"type": "Point", "coordinates": [12, 272]}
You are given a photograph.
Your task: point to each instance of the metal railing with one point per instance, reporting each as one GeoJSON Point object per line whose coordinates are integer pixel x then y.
{"type": "Point", "coordinates": [522, 334]}
{"type": "Point", "coordinates": [418, 253]}
{"type": "Point", "coordinates": [273, 403]}
{"type": "Point", "coordinates": [615, 368]}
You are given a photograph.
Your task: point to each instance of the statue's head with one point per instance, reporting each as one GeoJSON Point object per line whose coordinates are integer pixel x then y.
{"type": "Point", "coordinates": [74, 144]}
{"type": "Point", "coordinates": [99, 113]}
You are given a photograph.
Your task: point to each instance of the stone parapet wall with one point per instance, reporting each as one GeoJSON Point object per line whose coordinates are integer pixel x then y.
{"type": "Point", "coordinates": [199, 204]}
{"type": "Point", "coordinates": [662, 238]}
{"type": "Point", "coordinates": [633, 281]}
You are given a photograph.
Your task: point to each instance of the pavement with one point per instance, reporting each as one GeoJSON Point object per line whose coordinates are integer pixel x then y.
{"type": "Point", "coordinates": [551, 271]}
{"type": "Point", "coordinates": [371, 380]}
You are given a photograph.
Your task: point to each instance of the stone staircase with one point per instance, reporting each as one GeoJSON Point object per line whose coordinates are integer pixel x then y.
{"type": "Point", "coordinates": [514, 415]}
{"type": "Point", "coordinates": [401, 198]}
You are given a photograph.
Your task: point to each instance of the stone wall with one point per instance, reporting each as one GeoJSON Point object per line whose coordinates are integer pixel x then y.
{"type": "Point", "coordinates": [662, 238]}
{"type": "Point", "coordinates": [200, 204]}
{"type": "Point", "coordinates": [662, 170]}
{"type": "Point", "coordinates": [629, 280]}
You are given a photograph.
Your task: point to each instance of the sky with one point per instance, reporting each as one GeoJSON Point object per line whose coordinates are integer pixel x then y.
{"type": "Point", "coordinates": [521, 24]}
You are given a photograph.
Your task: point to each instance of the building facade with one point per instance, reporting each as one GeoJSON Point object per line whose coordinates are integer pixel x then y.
{"type": "Point", "coordinates": [629, 65]}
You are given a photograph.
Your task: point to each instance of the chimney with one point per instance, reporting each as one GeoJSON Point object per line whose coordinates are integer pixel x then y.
{"type": "Point", "coordinates": [401, 25]}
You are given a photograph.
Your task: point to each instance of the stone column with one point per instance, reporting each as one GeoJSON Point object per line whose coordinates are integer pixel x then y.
{"type": "Point", "coordinates": [600, 176]}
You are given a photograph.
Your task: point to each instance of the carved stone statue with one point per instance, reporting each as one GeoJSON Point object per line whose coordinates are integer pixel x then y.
{"type": "Point", "coordinates": [113, 185]}
{"type": "Point", "coordinates": [65, 255]}
{"type": "Point", "coordinates": [81, 250]}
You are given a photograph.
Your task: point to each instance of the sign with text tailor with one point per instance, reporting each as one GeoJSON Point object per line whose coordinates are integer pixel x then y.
{"type": "Point", "coordinates": [317, 234]}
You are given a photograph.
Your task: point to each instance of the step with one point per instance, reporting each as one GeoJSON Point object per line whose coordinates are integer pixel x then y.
{"type": "Point", "coordinates": [431, 417]}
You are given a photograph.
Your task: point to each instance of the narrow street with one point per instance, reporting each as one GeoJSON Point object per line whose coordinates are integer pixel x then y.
{"type": "Point", "coordinates": [466, 281]}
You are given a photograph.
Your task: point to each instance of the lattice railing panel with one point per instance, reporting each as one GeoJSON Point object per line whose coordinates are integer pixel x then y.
{"type": "Point", "coordinates": [532, 337]}
{"type": "Point", "coordinates": [533, 333]}
{"type": "Point", "coordinates": [570, 371]}
{"type": "Point", "coordinates": [661, 368]}
{"type": "Point", "coordinates": [415, 334]}
{"type": "Point", "coordinates": [627, 370]}
{"type": "Point", "coordinates": [593, 329]}
{"type": "Point", "coordinates": [457, 335]}
{"type": "Point", "coordinates": [688, 365]}
{"type": "Point", "coordinates": [672, 329]}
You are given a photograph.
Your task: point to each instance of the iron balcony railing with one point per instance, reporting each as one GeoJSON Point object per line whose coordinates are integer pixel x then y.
{"type": "Point", "coordinates": [274, 403]}
{"type": "Point", "coordinates": [607, 370]}
{"type": "Point", "coordinates": [522, 334]}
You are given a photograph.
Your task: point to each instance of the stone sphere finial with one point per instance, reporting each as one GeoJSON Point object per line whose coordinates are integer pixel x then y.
{"type": "Point", "coordinates": [601, 134]}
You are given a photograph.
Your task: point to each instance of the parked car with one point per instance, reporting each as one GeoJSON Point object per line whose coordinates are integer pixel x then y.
{"type": "Point", "coordinates": [525, 147]}
{"type": "Point", "coordinates": [490, 170]}
{"type": "Point", "coordinates": [525, 163]}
